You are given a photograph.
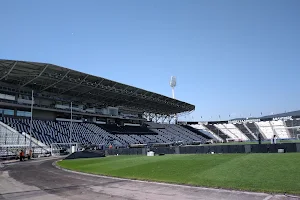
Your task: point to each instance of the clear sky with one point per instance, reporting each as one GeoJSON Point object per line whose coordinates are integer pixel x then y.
{"type": "Point", "coordinates": [230, 57]}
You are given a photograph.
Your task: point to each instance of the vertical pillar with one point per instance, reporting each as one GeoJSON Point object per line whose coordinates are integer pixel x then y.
{"type": "Point", "coordinates": [247, 148]}
{"type": "Point", "coordinates": [298, 147]}
{"type": "Point", "coordinates": [177, 150]}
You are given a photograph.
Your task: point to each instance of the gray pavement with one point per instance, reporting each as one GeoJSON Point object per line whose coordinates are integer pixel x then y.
{"type": "Point", "coordinates": [40, 180]}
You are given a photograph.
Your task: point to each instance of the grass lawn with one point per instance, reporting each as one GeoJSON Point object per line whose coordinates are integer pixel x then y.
{"type": "Point", "coordinates": [253, 172]}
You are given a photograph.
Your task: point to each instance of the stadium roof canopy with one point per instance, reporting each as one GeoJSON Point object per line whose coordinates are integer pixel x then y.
{"type": "Point", "coordinates": [60, 81]}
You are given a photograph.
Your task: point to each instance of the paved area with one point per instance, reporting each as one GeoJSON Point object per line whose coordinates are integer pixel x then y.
{"type": "Point", "coordinates": [40, 180]}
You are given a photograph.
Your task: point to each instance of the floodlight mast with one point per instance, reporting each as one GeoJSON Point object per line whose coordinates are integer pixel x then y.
{"type": "Point", "coordinates": [173, 83]}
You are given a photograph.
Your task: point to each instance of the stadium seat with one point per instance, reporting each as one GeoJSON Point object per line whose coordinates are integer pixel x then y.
{"type": "Point", "coordinates": [87, 133]}
{"type": "Point", "coordinates": [216, 131]}
{"type": "Point", "coordinates": [246, 131]}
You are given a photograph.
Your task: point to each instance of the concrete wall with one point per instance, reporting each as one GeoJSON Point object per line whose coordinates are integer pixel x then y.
{"type": "Point", "coordinates": [44, 115]}
{"type": "Point", "coordinates": [223, 149]}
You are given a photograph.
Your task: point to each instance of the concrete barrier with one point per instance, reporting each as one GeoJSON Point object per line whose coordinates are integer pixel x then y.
{"type": "Point", "coordinates": [207, 149]}
{"type": "Point", "coordinates": [86, 154]}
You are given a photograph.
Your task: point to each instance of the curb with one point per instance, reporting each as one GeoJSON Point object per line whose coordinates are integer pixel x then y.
{"type": "Point", "coordinates": [3, 164]}
{"type": "Point", "coordinates": [8, 163]}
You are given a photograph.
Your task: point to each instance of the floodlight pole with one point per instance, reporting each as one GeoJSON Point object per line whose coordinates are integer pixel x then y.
{"type": "Point", "coordinates": [31, 120]}
{"type": "Point", "coordinates": [173, 92]}
{"type": "Point", "coordinates": [173, 84]}
{"type": "Point", "coordinates": [71, 124]}
{"type": "Point", "coordinates": [173, 96]}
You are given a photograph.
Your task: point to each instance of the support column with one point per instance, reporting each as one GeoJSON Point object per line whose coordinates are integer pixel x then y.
{"type": "Point", "coordinates": [298, 147]}
{"type": "Point", "coordinates": [177, 150]}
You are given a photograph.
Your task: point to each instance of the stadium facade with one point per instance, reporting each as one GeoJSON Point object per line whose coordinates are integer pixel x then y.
{"type": "Point", "coordinates": [74, 107]}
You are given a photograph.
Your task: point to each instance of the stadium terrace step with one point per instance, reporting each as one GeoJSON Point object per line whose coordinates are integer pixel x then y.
{"type": "Point", "coordinates": [216, 131]}
{"type": "Point", "coordinates": [46, 132]}
{"type": "Point", "coordinates": [253, 128]}
{"type": "Point", "coordinates": [293, 123]}
{"type": "Point", "coordinates": [198, 132]}
{"type": "Point", "coordinates": [77, 131]}
{"type": "Point", "coordinates": [244, 130]}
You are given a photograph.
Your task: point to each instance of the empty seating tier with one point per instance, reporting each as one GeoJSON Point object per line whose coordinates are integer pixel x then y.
{"type": "Point", "coordinates": [139, 130]}
{"type": "Point", "coordinates": [198, 132]}
{"type": "Point", "coordinates": [49, 132]}
{"type": "Point", "coordinates": [266, 129]}
{"type": "Point", "coordinates": [244, 130]}
{"type": "Point", "coordinates": [252, 127]}
{"type": "Point", "coordinates": [293, 127]}
{"type": "Point", "coordinates": [280, 130]}
{"type": "Point", "coordinates": [216, 131]}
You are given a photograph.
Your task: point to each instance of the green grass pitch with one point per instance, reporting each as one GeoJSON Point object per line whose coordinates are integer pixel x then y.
{"type": "Point", "coordinates": [279, 173]}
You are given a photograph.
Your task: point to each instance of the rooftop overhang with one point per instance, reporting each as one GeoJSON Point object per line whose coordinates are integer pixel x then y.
{"type": "Point", "coordinates": [48, 79]}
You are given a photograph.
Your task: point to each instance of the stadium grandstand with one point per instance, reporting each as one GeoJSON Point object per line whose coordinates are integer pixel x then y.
{"type": "Point", "coordinates": [282, 126]}
{"type": "Point", "coordinates": [43, 104]}
{"type": "Point", "coordinates": [73, 107]}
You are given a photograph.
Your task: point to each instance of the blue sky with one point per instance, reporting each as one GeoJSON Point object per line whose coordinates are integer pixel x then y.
{"type": "Point", "coordinates": [230, 57]}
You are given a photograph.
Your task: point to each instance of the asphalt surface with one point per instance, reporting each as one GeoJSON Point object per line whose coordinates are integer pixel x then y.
{"type": "Point", "coordinates": [40, 180]}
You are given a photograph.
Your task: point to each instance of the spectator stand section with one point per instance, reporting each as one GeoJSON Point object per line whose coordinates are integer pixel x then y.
{"type": "Point", "coordinates": [247, 130]}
